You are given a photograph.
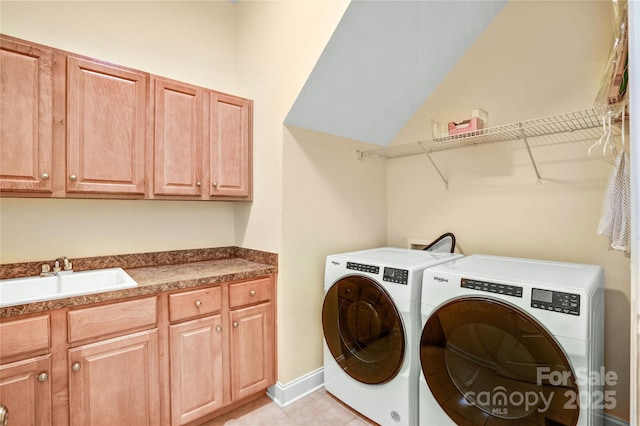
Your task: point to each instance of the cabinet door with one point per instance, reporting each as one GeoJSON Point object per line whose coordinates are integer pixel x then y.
{"type": "Point", "coordinates": [115, 382]}
{"type": "Point", "coordinates": [26, 117]}
{"type": "Point", "coordinates": [106, 119]}
{"type": "Point", "coordinates": [231, 135]}
{"type": "Point", "coordinates": [25, 389]}
{"type": "Point", "coordinates": [178, 135]}
{"type": "Point", "coordinates": [196, 369]}
{"type": "Point", "coordinates": [252, 350]}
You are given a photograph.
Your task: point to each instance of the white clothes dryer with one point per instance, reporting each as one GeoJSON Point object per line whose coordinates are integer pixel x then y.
{"type": "Point", "coordinates": [371, 324]}
{"type": "Point", "coordinates": [511, 341]}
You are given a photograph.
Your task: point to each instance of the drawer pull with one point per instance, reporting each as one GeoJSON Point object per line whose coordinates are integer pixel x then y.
{"type": "Point", "coordinates": [75, 366]}
{"type": "Point", "coordinates": [218, 329]}
{"type": "Point", "coordinates": [252, 292]}
{"type": "Point", "coordinates": [235, 324]}
{"type": "Point", "coordinates": [42, 377]}
{"type": "Point", "coordinates": [4, 416]}
{"type": "Point", "coordinates": [198, 303]}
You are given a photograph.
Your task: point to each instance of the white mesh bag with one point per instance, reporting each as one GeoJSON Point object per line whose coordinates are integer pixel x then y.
{"type": "Point", "coordinates": [615, 222]}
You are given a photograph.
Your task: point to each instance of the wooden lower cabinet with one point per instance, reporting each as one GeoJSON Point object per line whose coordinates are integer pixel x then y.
{"type": "Point", "coordinates": [25, 390]}
{"type": "Point", "coordinates": [223, 353]}
{"type": "Point", "coordinates": [115, 381]}
{"type": "Point", "coordinates": [195, 355]}
{"type": "Point", "coordinates": [252, 350]}
{"type": "Point", "coordinates": [196, 368]}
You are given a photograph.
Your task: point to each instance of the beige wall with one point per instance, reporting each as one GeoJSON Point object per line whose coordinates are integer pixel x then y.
{"type": "Point", "coordinates": [190, 41]}
{"type": "Point", "coordinates": [322, 199]}
{"type": "Point", "coordinates": [333, 203]}
{"type": "Point", "coordinates": [529, 63]}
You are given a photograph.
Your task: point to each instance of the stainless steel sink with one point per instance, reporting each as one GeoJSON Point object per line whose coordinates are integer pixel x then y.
{"type": "Point", "coordinates": [19, 291]}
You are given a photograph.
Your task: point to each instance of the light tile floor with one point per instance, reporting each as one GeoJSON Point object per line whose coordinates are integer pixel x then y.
{"type": "Point", "coordinates": [316, 409]}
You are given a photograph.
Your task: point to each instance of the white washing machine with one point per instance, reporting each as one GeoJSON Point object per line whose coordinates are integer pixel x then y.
{"type": "Point", "coordinates": [512, 341]}
{"type": "Point", "coordinates": [371, 324]}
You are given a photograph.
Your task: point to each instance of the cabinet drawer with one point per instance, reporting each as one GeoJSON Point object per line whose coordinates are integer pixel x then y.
{"type": "Point", "coordinates": [110, 319]}
{"type": "Point", "coordinates": [24, 336]}
{"type": "Point", "coordinates": [194, 303]}
{"type": "Point", "coordinates": [247, 293]}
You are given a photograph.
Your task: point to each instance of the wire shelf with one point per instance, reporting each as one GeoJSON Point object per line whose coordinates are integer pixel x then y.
{"type": "Point", "coordinates": [544, 126]}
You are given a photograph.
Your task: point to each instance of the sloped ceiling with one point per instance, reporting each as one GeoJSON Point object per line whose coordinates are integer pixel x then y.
{"type": "Point", "coordinates": [383, 61]}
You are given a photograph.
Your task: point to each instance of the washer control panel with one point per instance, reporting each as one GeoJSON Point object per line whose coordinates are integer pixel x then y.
{"type": "Point", "coordinates": [508, 290]}
{"type": "Point", "coordinates": [393, 275]}
{"type": "Point", "coordinates": [556, 301]}
{"type": "Point", "coordinates": [363, 268]}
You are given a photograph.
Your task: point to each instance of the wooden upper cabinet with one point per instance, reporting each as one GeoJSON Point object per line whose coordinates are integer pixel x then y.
{"type": "Point", "coordinates": [26, 117]}
{"type": "Point", "coordinates": [230, 156]}
{"type": "Point", "coordinates": [179, 132]}
{"type": "Point", "coordinates": [106, 119]}
{"type": "Point", "coordinates": [77, 127]}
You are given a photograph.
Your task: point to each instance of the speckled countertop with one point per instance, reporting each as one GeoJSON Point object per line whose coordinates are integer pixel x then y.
{"type": "Point", "coordinates": [154, 272]}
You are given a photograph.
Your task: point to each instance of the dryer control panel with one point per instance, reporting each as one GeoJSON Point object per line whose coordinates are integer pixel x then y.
{"type": "Point", "coordinates": [363, 268]}
{"type": "Point", "coordinates": [556, 301]}
{"type": "Point", "coordinates": [508, 290]}
{"type": "Point", "coordinates": [393, 275]}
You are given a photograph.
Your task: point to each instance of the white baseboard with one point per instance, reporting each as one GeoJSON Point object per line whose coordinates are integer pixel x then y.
{"type": "Point", "coordinates": [285, 394]}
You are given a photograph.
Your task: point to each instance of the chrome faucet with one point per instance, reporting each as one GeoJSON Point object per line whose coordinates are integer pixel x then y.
{"type": "Point", "coordinates": [66, 268]}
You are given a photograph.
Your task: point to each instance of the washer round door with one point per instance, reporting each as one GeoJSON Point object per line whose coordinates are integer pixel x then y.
{"type": "Point", "coordinates": [488, 362]}
{"type": "Point", "coordinates": [363, 330]}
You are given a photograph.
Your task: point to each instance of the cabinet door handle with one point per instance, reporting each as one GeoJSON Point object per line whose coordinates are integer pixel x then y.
{"type": "Point", "coordinates": [44, 176]}
{"type": "Point", "coordinates": [73, 178]}
{"type": "Point", "coordinates": [235, 324]}
{"type": "Point", "coordinates": [42, 377]}
{"type": "Point", "coordinates": [198, 183]}
{"type": "Point", "coordinates": [218, 329]}
{"type": "Point", "coordinates": [198, 303]}
{"type": "Point", "coordinates": [75, 366]}
{"type": "Point", "coordinates": [4, 415]}
{"type": "Point", "coordinates": [215, 184]}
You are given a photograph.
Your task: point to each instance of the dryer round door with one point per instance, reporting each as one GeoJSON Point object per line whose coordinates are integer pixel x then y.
{"type": "Point", "coordinates": [363, 330]}
{"type": "Point", "coordinates": [486, 361]}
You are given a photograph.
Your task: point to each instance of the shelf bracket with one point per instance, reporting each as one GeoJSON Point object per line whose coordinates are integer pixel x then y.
{"type": "Point", "coordinates": [533, 161]}
{"type": "Point", "coordinates": [433, 163]}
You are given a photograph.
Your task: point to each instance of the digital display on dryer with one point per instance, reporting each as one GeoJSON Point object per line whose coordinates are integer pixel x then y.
{"type": "Point", "coordinates": [542, 295]}
{"type": "Point", "coordinates": [555, 301]}
{"type": "Point", "coordinates": [398, 276]}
